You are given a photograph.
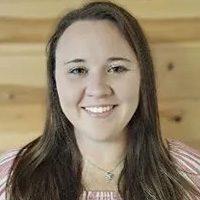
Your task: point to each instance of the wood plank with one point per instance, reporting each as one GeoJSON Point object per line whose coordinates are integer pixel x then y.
{"type": "Point", "coordinates": [180, 120]}
{"type": "Point", "coordinates": [22, 49]}
{"type": "Point", "coordinates": [22, 122]}
{"type": "Point", "coordinates": [157, 30]}
{"type": "Point", "coordinates": [23, 70]}
{"type": "Point", "coordinates": [22, 95]}
{"type": "Point", "coordinates": [177, 68]}
{"type": "Point", "coordinates": [23, 65]}
{"type": "Point", "coordinates": [172, 30]}
{"type": "Point", "coordinates": [22, 104]}
{"type": "Point", "coordinates": [142, 9]}
{"type": "Point", "coordinates": [15, 140]}
{"type": "Point", "coordinates": [21, 119]}
{"type": "Point", "coordinates": [28, 30]}
{"type": "Point", "coordinates": [30, 108]}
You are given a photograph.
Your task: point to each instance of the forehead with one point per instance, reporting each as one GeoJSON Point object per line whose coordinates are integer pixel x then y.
{"type": "Point", "coordinates": [93, 38]}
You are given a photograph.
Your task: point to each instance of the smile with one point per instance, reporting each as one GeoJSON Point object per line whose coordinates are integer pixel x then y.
{"type": "Point", "coordinates": [100, 111]}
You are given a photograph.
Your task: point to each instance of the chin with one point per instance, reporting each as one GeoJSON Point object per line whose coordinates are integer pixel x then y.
{"type": "Point", "coordinates": [102, 137]}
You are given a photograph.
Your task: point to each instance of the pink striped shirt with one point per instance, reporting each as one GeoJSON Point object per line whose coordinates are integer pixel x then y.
{"type": "Point", "coordinates": [186, 159]}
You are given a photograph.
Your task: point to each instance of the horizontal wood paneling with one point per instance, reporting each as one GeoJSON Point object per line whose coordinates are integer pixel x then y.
{"type": "Point", "coordinates": [23, 89]}
{"type": "Point", "coordinates": [21, 95]}
{"type": "Point", "coordinates": [21, 118]}
{"type": "Point", "coordinates": [176, 65]}
{"type": "Point", "coordinates": [172, 27]}
{"type": "Point", "coordinates": [177, 70]}
{"type": "Point", "coordinates": [179, 120]}
{"type": "Point", "coordinates": [163, 21]}
{"type": "Point", "coordinates": [12, 140]}
{"type": "Point", "coordinates": [141, 8]}
{"type": "Point", "coordinates": [157, 30]}
{"type": "Point", "coordinates": [23, 70]}
{"type": "Point", "coordinates": [22, 49]}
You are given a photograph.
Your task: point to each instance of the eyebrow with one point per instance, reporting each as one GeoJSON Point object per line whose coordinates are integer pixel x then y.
{"type": "Point", "coordinates": [78, 60]}
{"type": "Point", "coordinates": [118, 59]}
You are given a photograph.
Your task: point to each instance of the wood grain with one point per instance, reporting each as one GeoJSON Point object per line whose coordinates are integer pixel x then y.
{"type": "Point", "coordinates": [176, 66]}
{"type": "Point", "coordinates": [177, 70]}
{"type": "Point", "coordinates": [14, 140]}
{"type": "Point", "coordinates": [179, 120]}
{"type": "Point", "coordinates": [172, 28]}
{"type": "Point", "coordinates": [169, 9]}
{"type": "Point", "coordinates": [27, 70]}
{"type": "Point", "coordinates": [157, 30]}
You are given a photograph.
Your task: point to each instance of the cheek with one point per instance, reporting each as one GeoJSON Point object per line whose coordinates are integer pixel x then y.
{"type": "Point", "coordinates": [128, 90]}
{"type": "Point", "coordinates": [69, 92]}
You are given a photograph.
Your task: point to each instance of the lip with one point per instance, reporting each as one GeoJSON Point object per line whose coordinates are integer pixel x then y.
{"type": "Point", "coordinates": [100, 115]}
{"type": "Point", "coordinates": [101, 105]}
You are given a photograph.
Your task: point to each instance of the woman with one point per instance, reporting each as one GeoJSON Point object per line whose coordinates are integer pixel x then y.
{"type": "Point", "coordinates": [102, 135]}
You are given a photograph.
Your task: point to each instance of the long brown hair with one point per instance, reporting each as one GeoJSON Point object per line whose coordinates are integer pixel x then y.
{"type": "Point", "coordinates": [49, 168]}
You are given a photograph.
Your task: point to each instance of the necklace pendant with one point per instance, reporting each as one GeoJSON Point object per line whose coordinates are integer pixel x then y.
{"type": "Point", "coordinates": [109, 176]}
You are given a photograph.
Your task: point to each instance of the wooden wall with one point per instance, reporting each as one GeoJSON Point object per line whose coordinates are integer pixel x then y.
{"type": "Point", "coordinates": [172, 28]}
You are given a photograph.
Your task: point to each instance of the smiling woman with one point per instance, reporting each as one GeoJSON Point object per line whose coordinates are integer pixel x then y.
{"type": "Point", "coordinates": [102, 135]}
{"type": "Point", "coordinates": [99, 75]}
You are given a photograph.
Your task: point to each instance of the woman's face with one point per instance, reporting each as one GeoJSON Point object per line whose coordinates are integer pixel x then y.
{"type": "Point", "coordinates": [96, 69]}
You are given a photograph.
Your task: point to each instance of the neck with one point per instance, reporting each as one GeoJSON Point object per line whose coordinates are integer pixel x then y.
{"type": "Point", "coordinates": [106, 154]}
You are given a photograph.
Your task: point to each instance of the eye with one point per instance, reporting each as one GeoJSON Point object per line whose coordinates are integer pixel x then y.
{"type": "Point", "coordinates": [118, 69]}
{"type": "Point", "coordinates": [78, 70]}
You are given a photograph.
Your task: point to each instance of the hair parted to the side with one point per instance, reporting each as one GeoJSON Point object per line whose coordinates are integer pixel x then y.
{"type": "Point", "coordinates": [49, 168]}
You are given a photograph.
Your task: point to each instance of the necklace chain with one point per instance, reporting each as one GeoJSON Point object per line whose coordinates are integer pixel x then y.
{"type": "Point", "coordinates": [108, 174]}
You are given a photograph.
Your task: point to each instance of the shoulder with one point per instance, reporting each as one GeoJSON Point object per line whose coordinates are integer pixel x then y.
{"type": "Point", "coordinates": [6, 161]}
{"type": "Point", "coordinates": [185, 156]}
{"type": "Point", "coordinates": [187, 160]}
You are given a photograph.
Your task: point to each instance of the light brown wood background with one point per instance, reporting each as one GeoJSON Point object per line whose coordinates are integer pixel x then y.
{"type": "Point", "coordinates": [172, 28]}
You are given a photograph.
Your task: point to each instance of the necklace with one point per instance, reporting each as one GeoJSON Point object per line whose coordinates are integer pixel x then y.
{"type": "Point", "coordinates": [108, 174]}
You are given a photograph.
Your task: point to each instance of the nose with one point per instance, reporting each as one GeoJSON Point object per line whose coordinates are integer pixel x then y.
{"type": "Point", "coordinates": [98, 87]}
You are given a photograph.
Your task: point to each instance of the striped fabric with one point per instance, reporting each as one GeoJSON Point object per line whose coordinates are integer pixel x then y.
{"type": "Point", "coordinates": [187, 160]}
{"type": "Point", "coordinates": [6, 161]}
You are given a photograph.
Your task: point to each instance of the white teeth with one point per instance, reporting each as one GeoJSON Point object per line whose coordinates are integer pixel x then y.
{"type": "Point", "coordinates": [99, 109]}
